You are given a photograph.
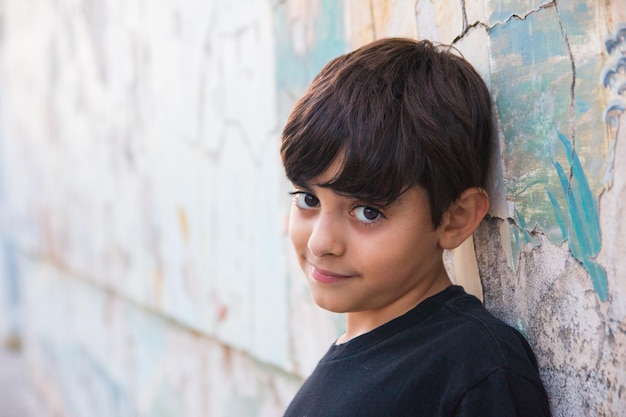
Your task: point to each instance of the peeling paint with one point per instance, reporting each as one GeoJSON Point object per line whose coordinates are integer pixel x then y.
{"type": "Point", "coordinates": [529, 115]}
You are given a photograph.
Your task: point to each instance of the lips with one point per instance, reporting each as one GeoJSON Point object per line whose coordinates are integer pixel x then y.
{"type": "Point", "coordinates": [327, 277]}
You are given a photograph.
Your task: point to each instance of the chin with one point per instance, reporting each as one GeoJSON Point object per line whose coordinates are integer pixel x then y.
{"type": "Point", "coordinates": [329, 305]}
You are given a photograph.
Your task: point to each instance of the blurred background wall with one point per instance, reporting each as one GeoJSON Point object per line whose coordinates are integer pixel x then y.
{"type": "Point", "coordinates": [144, 262]}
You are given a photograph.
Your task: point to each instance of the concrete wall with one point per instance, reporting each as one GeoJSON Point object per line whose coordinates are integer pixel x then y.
{"type": "Point", "coordinates": [145, 264]}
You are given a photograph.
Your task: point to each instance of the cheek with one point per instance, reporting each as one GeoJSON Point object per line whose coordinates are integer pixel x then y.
{"type": "Point", "coordinates": [383, 257]}
{"type": "Point", "coordinates": [394, 251]}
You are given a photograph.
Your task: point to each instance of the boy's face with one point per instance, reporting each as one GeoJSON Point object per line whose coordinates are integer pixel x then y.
{"type": "Point", "coordinates": [360, 258]}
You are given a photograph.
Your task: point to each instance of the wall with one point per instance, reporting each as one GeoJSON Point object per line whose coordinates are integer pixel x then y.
{"type": "Point", "coordinates": [145, 265]}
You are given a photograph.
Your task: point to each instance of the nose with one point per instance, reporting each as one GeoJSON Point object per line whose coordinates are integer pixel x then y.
{"type": "Point", "coordinates": [327, 236]}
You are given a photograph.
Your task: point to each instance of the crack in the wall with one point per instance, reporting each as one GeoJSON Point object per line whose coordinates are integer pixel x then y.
{"type": "Point", "coordinates": [572, 103]}
{"type": "Point", "coordinates": [468, 27]}
{"type": "Point", "coordinates": [525, 15]}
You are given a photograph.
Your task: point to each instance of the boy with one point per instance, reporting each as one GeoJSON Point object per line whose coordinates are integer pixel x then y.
{"type": "Point", "coordinates": [387, 152]}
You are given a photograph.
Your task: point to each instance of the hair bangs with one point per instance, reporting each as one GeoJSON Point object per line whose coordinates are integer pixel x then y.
{"type": "Point", "coordinates": [372, 170]}
{"type": "Point", "coordinates": [312, 139]}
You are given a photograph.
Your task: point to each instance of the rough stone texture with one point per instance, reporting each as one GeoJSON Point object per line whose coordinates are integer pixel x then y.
{"type": "Point", "coordinates": [579, 342]}
{"type": "Point", "coordinates": [144, 260]}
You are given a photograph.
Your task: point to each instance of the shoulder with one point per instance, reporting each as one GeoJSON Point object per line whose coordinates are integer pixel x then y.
{"type": "Point", "coordinates": [481, 358]}
{"type": "Point", "coordinates": [476, 348]}
{"type": "Point", "coordinates": [462, 332]}
{"type": "Point", "coordinates": [480, 335]}
{"type": "Point", "coordinates": [503, 393]}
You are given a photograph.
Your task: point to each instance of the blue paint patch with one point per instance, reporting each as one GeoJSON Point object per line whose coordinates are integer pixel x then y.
{"type": "Point", "coordinates": [620, 64]}
{"type": "Point", "coordinates": [499, 16]}
{"type": "Point", "coordinates": [582, 107]}
{"type": "Point", "coordinates": [534, 40]}
{"type": "Point", "coordinates": [612, 113]}
{"type": "Point", "coordinates": [612, 42]}
{"type": "Point", "coordinates": [584, 221]}
{"type": "Point", "coordinates": [581, 7]}
{"type": "Point", "coordinates": [294, 70]}
{"type": "Point", "coordinates": [608, 77]}
{"type": "Point", "coordinates": [574, 17]}
{"type": "Point", "coordinates": [612, 77]}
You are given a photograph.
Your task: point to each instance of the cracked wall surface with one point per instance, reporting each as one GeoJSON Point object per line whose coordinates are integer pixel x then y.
{"type": "Point", "coordinates": [143, 255]}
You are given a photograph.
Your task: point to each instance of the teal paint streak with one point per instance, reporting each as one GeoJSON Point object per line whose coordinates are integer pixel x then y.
{"type": "Point", "coordinates": [559, 214]}
{"type": "Point", "coordinates": [585, 197]}
{"type": "Point", "coordinates": [584, 222]}
{"type": "Point", "coordinates": [574, 217]}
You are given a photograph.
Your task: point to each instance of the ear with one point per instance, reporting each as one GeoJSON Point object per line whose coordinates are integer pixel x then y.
{"type": "Point", "coordinates": [463, 217]}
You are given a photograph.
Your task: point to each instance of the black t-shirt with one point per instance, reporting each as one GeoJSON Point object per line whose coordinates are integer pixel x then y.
{"type": "Point", "coordinates": [446, 357]}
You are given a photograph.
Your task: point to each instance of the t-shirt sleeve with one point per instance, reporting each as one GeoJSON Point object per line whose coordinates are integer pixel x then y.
{"type": "Point", "coordinates": [504, 393]}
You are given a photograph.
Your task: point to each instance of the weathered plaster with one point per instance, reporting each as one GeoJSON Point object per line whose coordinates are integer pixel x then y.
{"type": "Point", "coordinates": [97, 354]}
{"type": "Point", "coordinates": [142, 202]}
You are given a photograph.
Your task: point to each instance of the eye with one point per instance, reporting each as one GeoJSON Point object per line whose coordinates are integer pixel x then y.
{"type": "Point", "coordinates": [367, 214]}
{"type": "Point", "coordinates": [305, 200]}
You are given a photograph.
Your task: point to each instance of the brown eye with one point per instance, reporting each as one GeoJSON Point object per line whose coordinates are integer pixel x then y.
{"type": "Point", "coordinates": [367, 214]}
{"type": "Point", "coordinates": [305, 200]}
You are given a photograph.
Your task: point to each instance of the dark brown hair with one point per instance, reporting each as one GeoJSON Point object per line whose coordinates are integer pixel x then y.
{"type": "Point", "coordinates": [400, 113]}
